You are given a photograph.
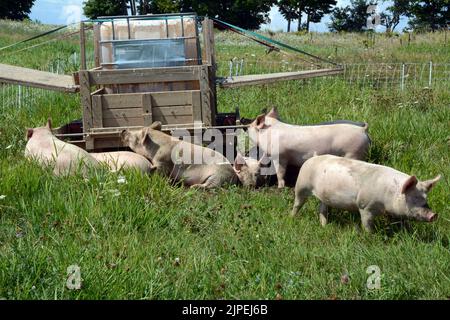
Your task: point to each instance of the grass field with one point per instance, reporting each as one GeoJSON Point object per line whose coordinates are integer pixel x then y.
{"type": "Point", "coordinates": [147, 239]}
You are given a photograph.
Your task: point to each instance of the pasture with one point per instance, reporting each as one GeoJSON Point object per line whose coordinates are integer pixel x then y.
{"type": "Point", "coordinates": [139, 237]}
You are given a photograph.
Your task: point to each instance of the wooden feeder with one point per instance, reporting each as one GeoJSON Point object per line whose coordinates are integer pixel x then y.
{"type": "Point", "coordinates": [147, 68]}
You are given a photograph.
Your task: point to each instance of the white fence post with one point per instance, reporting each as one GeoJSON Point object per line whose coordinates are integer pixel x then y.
{"type": "Point", "coordinates": [430, 77]}
{"type": "Point", "coordinates": [402, 79]}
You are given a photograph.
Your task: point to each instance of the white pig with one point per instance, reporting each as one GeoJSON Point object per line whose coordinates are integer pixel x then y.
{"type": "Point", "coordinates": [176, 158]}
{"type": "Point", "coordinates": [371, 189]}
{"type": "Point", "coordinates": [288, 144]}
{"type": "Point", "coordinates": [248, 170]}
{"type": "Point", "coordinates": [65, 158]}
{"type": "Point", "coordinates": [118, 160]}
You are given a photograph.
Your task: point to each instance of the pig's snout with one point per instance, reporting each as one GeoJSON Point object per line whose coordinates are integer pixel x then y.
{"type": "Point", "coordinates": [432, 217]}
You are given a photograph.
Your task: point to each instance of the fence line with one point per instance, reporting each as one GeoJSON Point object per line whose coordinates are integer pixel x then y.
{"type": "Point", "coordinates": [393, 76]}
{"type": "Point", "coordinates": [378, 75]}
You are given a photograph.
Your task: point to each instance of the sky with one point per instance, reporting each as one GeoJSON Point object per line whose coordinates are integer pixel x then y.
{"type": "Point", "coordinates": [70, 11]}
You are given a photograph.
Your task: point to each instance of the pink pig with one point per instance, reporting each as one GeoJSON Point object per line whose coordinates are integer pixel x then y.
{"type": "Point", "coordinates": [371, 189]}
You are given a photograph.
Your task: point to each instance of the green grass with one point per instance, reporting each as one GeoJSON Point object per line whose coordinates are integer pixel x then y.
{"type": "Point", "coordinates": [232, 243]}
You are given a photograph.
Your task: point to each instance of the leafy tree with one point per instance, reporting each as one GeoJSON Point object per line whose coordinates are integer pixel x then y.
{"type": "Point", "coordinates": [248, 14]}
{"type": "Point", "coordinates": [288, 9]}
{"type": "Point", "coordinates": [96, 8]}
{"type": "Point", "coordinates": [313, 9]}
{"type": "Point", "coordinates": [15, 9]}
{"type": "Point", "coordinates": [159, 6]}
{"type": "Point", "coordinates": [352, 18]}
{"type": "Point", "coordinates": [391, 17]}
{"type": "Point", "coordinates": [432, 14]}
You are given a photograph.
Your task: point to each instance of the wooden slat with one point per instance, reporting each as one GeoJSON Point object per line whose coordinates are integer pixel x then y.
{"type": "Point", "coordinates": [147, 109]}
{"type": "Point", "coordinates": [158, 99]}
{"type": "Point", "coordinates": [248, 80]}
{"type": "Point", "coordinates": [37, 79]}
{"type": "Point", "coordinates": [97, 111]}
{"type": "Point", "coordinates": [115, 131]}
{"type": "Point", "coordinates": [197, 106]}
{"type": "Point", "coordinates": [128, 76]}
{"type": "Point", "coordinates": [157, 112]}
{"type": "Point", "coordinates": [118, 101]}
{"type": "Point", "coordinates": [139, 121]}
{"type": "Point", "coordinates": [110, 142]}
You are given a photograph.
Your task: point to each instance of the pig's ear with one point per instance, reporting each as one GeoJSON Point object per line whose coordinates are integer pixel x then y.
{"type": "Point", "coordinates": [273, 113]}
{"type": "Point", "coordinates": [409, 183]}
{"type": "Point", "coordinates": [124, 135]}
{"type": "Point", "coordinates": [261, 121]}
{"type": "Point", "coordinates": [429, 184]}
{"type": "Point", "coordinates": [157, 125]}
{"type": "Point", "coordinates": [239, 162]}
{"type": "Point", "coordinates": [145, 135]}
{"type": "Point", "coordinates": [29, 133]}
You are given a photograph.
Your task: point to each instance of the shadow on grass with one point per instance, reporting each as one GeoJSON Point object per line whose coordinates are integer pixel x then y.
{"type": "Point", "coordinates": [389, 227]}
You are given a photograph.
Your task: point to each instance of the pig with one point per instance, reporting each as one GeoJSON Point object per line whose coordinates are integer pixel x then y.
{"type": "Point", "coordinates": [248, 170]}
{"type": "Point", "coordinates": [176, 158]}
{"type": "Point", "coordinates": [356, 185]}
{"type": "Point", "coordinates": [65, 158]}
{"type": "Point", "coordinates": [119, 160]}
{"type": "Point", "coordinates": [292, 145]}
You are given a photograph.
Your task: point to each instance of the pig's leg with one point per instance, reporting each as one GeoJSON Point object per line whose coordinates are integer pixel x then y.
{"type": "Point", "coordinates": [323, 214]}
{"type": "Point", "coordinates": [210, 182]}
{"type": "Point", "coordinates": [301, 195]}
{"type": "Point", "coordinates": [366, 219]}
{"type": "Point", "coordinates": [280, 168]}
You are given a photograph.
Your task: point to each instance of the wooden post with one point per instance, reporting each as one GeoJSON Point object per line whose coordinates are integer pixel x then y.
{"type": "Point", "coordinates": [97, 47]}
{"type": "Point", "coordinates": [209, 74]}
{"type": "Point", "coordinates": [208, 37]}
{"type": "Point", "coordinates": [86, 102]}
{"type": "Point", "coordinates": [82, 47]}
{"type": "Point", "coordinates": [205, 96]}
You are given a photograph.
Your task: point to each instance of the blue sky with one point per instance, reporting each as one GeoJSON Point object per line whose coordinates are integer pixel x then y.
{"type": "Point", "coordinates": [69, 11]}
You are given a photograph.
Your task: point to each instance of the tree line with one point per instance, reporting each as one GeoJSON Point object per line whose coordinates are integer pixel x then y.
{"type": "Point", "coordinates": [250, 14]}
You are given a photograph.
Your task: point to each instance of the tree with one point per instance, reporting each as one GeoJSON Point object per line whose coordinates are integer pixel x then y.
{"type": "Point", "coordinates": [352, 18]}
{"type": "Point", "coordinates": [15, 9]}
{"type": "Point", "coordinates": [248, 14]}
{"type": "Point", "coordinates": [432, 14]}
{"type": "Point", "coordinates": [288, 9]}
{"type": "Point", "coordinates": [96, 8]}
{"type": "Point", "coordinates": [159, 6]}
{"type": "Point", "coordinates": [313, 9]}
{"type": "Point", "coordinates": [391, 17]}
